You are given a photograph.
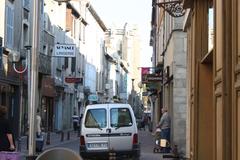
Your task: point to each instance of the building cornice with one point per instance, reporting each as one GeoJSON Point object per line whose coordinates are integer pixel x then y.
{"type": "Point", "coordinates": [74, 10]}
{"type": "Point", "coordinates": [76, 13]}
{"type": "Point", "coordinates": [96, 16]}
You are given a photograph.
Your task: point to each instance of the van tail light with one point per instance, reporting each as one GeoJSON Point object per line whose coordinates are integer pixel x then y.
{"type": "Point", "coordinates": [135, 138]}
{"type": "Point", "coordinates": [82, 141]}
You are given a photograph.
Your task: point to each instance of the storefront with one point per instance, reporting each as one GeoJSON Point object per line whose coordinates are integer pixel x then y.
{"type": "Point", "coordinates": [10, 97]}
{"type": "Point", "coordinates": [47, 103]}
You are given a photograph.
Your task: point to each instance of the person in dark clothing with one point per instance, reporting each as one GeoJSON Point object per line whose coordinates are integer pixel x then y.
{"type": "Point", "coordinates": [6, 136]}
{"type": "Point", "coordinates": [75, 119]}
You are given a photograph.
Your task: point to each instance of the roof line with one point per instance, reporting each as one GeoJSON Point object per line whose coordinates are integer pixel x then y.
{"type": "Point", "coordinates": [97, 18]}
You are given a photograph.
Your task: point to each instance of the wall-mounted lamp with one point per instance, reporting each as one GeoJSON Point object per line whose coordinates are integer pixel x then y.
{"type": "Point", "coordinates": [174, 8]}
{"type": "Point", "coordinates": [14, 57]}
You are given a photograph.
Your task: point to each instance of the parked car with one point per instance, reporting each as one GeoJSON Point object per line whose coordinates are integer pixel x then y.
{"type": "Point", "coordinates": [109, 130]}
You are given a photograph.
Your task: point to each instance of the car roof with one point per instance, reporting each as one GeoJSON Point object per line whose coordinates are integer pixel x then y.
{"type": "Point", "coordinates": [112, 105]}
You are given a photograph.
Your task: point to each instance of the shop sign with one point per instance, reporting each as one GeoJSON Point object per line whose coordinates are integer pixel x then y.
{"type": "Point", "coordinates": [154, 77]}
{"type": "Point", "coordinates": [93, 97]}
{"type": "Point", "coordinates": [65, 50]}
{"type": "Point", "coordinates": [73, 80]}
{"type": "Point", "coordinates": [152, 86]}
{"type": "Point", "coordinates": [48, 88]}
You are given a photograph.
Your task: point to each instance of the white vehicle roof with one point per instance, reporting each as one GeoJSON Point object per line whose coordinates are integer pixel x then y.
{"type": "Point", "coordinates": [111, 105]}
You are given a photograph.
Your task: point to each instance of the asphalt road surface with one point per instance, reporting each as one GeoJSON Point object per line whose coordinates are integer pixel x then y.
{"type": "Point", "coordinates": [147, 144]}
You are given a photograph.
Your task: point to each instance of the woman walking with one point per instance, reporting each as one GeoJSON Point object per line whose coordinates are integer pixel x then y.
{"type": "Point", "coordinates": [6, 137]}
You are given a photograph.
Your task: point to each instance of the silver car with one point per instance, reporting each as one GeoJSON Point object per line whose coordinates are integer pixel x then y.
{"type": "Point", "coordinates": [109, 130]}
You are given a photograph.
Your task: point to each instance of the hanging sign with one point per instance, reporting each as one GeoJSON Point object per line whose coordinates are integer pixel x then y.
{"type": "Point", "coordinates": [65, 50]}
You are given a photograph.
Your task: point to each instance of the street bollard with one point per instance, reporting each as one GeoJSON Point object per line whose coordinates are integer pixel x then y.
{"type": "Point", "coordinates": [27, 142]}
{"type": "Point", "coordinates": [68, 135]}
{"type": "Point", "coordinates": [62, 136]}
{"type": "Point", "coordinates": [48, 138]}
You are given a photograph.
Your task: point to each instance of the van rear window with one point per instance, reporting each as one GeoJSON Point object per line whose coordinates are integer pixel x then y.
{"type": "Point", "coordinates": [96, 118]}
{"type": "Point", "coordinates": [120, 117]}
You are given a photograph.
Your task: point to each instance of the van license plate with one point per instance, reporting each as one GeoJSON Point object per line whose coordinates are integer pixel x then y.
{"type": "Point", "coordinates": [97, 145]}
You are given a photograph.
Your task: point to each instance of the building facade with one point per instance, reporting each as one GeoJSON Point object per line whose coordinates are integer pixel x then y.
{"type": "Point", "coordinates": [81, 26]}
{"type": "Point", "coordinates": [169, 56]}
{"type": "Point", "coordinates": [122, 52]}
{"type": "Point", "coordinates": [213, 80]}
{"type": "Point", "coordinates": [14, 35]}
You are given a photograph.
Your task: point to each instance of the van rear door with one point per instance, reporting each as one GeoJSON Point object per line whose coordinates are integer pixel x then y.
{"type": "Point", "coordinates": [95, 129]}
{"type": "Point", "coordinates": [122, 129]}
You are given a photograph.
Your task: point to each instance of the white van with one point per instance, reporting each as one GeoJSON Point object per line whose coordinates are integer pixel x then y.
{"type": "Point", "coordinates": [109, 130]}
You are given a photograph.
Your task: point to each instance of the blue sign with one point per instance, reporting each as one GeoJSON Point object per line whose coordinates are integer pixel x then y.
{"type": "Point", "coordinates": [93, 97]}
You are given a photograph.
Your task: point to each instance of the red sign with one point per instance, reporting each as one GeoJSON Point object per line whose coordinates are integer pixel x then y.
{"type": "Point", "coordinates": [73, 80]}
{"type": "Point", "coordinates": [145, 72]}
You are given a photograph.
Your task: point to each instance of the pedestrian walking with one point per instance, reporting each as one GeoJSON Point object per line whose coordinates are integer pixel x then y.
{"type": "Point", "coordinates": [6, 135]}
{"type": "Point", "coordinates": [75, 119]}
{"type": "Point", "coordinates": [39, 135]}
{"type": "Point", "coordinates": [38, 123]}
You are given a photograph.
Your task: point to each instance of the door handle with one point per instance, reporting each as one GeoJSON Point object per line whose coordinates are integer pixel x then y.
{"type": "Point", "coordinates": [109, 130]}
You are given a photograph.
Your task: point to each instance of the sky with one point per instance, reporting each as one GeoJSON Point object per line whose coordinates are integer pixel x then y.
{"type": "Point", "coordinates": [132, 12]}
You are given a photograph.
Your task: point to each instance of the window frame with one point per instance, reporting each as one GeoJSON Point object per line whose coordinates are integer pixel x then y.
{"type": "Point", "coordinates": [88, 111]}
{"type": "Point", "coordinates": [129, 114]}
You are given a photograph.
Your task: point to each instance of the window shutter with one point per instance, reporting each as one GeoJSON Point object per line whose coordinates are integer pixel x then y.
{"type": "Point", "coordinates": [73, 66]}
{"type": "Point", "coordinates": [69, 20]}
{"type": "Point", "coordinates": [10, 22]}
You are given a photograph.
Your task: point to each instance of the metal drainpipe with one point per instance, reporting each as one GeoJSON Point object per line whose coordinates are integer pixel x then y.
{"type": "Point", "coordinates": [163, 54]}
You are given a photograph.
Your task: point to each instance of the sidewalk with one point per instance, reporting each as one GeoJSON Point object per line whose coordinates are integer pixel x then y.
{"type": "Point", "coordinates": [147, 140]}
{"type": "Point", "coordinates": [55, 140]}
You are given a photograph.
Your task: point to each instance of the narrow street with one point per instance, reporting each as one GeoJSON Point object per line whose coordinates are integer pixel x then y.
{"type": "Point", "coordinates": [145, 137]}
